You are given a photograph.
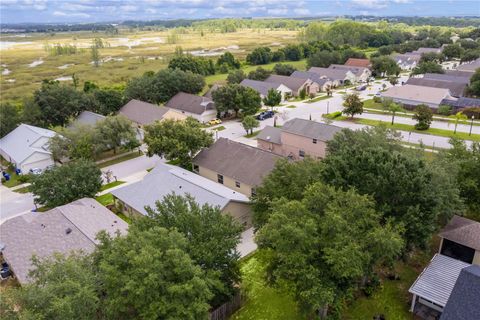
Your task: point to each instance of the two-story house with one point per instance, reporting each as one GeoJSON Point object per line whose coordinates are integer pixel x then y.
{"type": "Point", "coordinates": [459, 249]}
{"type": "Point", "coordinates": [297, 138]}
{"type": "Point", "coordinates": [237, 166]}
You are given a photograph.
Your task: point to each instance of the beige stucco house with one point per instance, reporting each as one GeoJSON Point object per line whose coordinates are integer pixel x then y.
{"type": "Point", "coordinates": [263, 87]}
{"type": "Point", "coordinates": [237, 166]}
{"type": "Point", "coordinates": [295, 84]}
{"type": "Point", "coordinates": [164, 179]}
{"type": "Point", "coordinates": [297, 138]}
{"type": "Point", "coordinates": [412, 95]}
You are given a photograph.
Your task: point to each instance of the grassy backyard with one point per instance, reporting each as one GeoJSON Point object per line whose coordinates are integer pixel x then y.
{"type": "Point", "coordinates": [126, 157]}
{"type": "Point", "coordinates": [111, 185]}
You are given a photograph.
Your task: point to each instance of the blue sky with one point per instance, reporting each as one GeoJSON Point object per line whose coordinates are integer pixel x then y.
{"type": "Point", "coordinates": [13, 11]}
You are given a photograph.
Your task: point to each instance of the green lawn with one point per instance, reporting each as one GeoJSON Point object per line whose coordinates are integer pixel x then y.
{"type": "Point", "coordinates": [13, 179]}
{"type": "Point", "coordinates": [318, 99]}
{"type": "Point", "coordinates": [220, 128]}
{"type": "Point", "coordinates": [105, 199]}
{"type": "Point", "coordinates": [126, 157]}
{"type": "Point", "coordinates": [431, 131]}
{"type": "Point", "coordinates": [342, 92]}
{"type": "Point", "coordinates": [23, 190]}
{"type": "Point", "coordinates": [291, 106]}
{"type": "Point", "coordinates": [263, 302]}
{"type": "Point", "coordinates": [111, 185]}
{"type": "Point", "coordinates": [254, 134]}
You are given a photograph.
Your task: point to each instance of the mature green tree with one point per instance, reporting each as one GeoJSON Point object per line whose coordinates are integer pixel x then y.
{"type": "Point", "coordinates": [95, 54]}
{"type": "Point", "coordinates": [352, 105]}
{"type": "Point", "coordinates": [259, 74]}
{"type": "Point", "coordinates": [432, 57]}
{"type": "Point", "coordinates": [237, 98]}
{"type": "Point", "coordinates": [77, 142]}
{"type": "Point", "coordinates": [9, 118]}
{"type": "Point", "coordinates": [228, 59]}
{"type": "Point", "coordinates": [293, 52]}
{"type": "Point", "coordinates": [114, 132]}
{"type": "Point", "coordinates": [470, 55]}
{"type": "Point", "coordinates": [235, 76]}
{"type": "Point", "coordinates": [323, 58]}
{"type": "Point", "coordinates": [284, 69]}
{"type": "Point", "coordinates": [58, 284]}
{"type": "Point", "coordinates": [148, 274]}
{"type": "Point", "coordinates": [427, 67]}
{"type": "Point", "coordinates": [400, 184]}
{"type": "Point", "coordinates": [259, 55]}
{"type": "Point", "coordinates": [249, 123]}
{"type": "Point", "coordinates": [66, 183]}
{"type": "Point", "coordinates": [474, 86]}
{"type": "Point", "coordinates": [193, 64]}
{"type": "Point", "coordinates": [424, 116]}
{"type": "Point", "coordinates": [392, 107]}
{"type": "Point", "coordinates": [212, 239]}
{"type": "Point", "coordinates": [273, 98]}
{"type": "Point", "coordinates": [163, 85]}
{"type": "Point", "coordinates": [452, 51]}
{"type": "Point", "coordinates": [287, 180]}
{"type": "Point", "coordinates": [58, 103]}
{"type": "Point", "coordinates": [177, 140]}
{"type": "Point", "coordinates": [107, 101]}
{"type": "Point", "coordinates": [385, 66]}
{"type": "Point", "coordinates": [325, 244]}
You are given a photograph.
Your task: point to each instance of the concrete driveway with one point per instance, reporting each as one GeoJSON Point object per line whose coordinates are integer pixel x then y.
{"type": "Point", "coordinates": [13, 204]}
{"type": "Point", "coordinates": [131, 168]}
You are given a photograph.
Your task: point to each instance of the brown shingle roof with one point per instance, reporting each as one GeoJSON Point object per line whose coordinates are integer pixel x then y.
{"type": "Point", "coordinates": [73, 226]}
{"type": "Point", "coordinates": [190, 103]}
{"type": "Point", "coordinates": [291, 82]}
{"type": "Point", "coordinates": [332, 74]}
{"type": "Point", "coordinates": [143, 113]}
{"type": "Point", "coordinates": [354, 62]}
{"type": "Point", "coordinates": [238, 161]}
{"type": "Point", "coordinates": [463, 231]}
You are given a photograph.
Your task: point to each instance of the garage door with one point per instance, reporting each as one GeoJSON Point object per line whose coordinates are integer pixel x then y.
{"type": "Point", "coordinates": [41, 164]}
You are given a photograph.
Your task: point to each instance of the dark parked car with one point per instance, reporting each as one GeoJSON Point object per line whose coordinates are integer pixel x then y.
{"type": "Point", "coordinates": [5, 271]}
{"type": "Point", "coordinates": [265, 115]}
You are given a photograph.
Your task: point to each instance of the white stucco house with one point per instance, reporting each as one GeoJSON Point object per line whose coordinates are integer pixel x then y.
{"type": "Point", "coordinates": [27, 147]}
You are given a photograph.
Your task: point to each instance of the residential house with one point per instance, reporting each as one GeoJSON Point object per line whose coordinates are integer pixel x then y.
{"type": "Point", "coordinates": [338, 77]}
{"type": "Point", "coordinates": [407, 61]}
{"type": "Point", "coordinates": [464, 301]}
{"type": "Point", "coordinates": [295, 84]}
{"type": "Point", "coordinates": [322, 83]}
{"type": "Point", "coordinates": [26, 147]}
{"type": "Point", "coordinates": [236, 165]}
{"type": "Point", "coordinates": [144, 113]}
{"type": "Point", "coordinates": [447, 77]}
{"type": "Point", "coordinates": [361, 73]}
{"type": "Point", "coordinates": [413, 95]}
{"type": "Point", "coordinates": [67, 228]}
{"type": "Point", "coordinates": [165, 179]}
{"type": "Point", "coordinates": [200, 108]}
{"type": "Point", "coordinates": [458, 73]}
{"type": "Point", "coordinates": [208, 94]}
{"type": "Point", "coordinates": [423, 50]}
{"type": "Point", "coordinates": [459, 249]}
{"type": "Point", "coordinates": [461, 103]}
{"type": "Point", "coordinates": [456, 89]}
{"type": "Point", "coordinates": [359, 63]}
{"type": "Point", "coordinates": [87, 118]}
{"type": "Point", "coordinates": [297, 138]}
{"type": "Point", "coordinates": [469, 66]}
{"type": "Point", "coordinates": [263, 87]}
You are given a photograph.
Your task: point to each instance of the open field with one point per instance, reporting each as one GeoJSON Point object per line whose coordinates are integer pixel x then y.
{"type": "Point", "coordinates": [127, 54]}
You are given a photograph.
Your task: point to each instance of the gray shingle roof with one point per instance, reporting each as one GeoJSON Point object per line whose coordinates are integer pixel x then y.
{"type": "Point", "coordinates": [407, 58]}
{"type": "Point", "coordinates": [309, 75]}
{"type": "Point", "coordinates": [208, 94]}
{"type": "Point", "coordinates": [469, 66]}
{"type": "Point", "coordinates": [437, 280]}
{"type": "Point", "coordinates": [293, 83]}
{"type": "Point", "coordinates": [311, 129]}
{"type": "Point", "coordinates": [87, 118]}
{"type": "Point", "coordinates": [464, 231]}
{"type": "Point", "coordinates": [457, 73]}
{"type": "Point", "coordinates": [417, 93]}
{"type": "Point", "coordinates": [261, 87]}
{"type": "Point", "coordinates": [456, 89]}
{"type": "Point", "coordinates": [464, 301]}
{"type": "Point", "coordinates": [332, 74]}
{"type": "Point", "coordinates": [18, 143]}
{"type": "Point", "coordinates": [190, 103]}
{"type": "Point", "coordinates": [446, 77]}
{"type": "Point", "coordinates": [270, 134]}
{"type": "Point", "coordinates": [43, 234]}
{"type": "Point", "coordinates": [239, 161]}
{"type": "Point", "coordinates": [143, 113]}
{"type": "Point", "coordinates": [355, 70]}
{"type": "Point", "coordinates": [166, 179]}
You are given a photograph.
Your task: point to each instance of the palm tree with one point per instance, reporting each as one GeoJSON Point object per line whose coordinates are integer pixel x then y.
{"type": "Point", "coordinates": [394, 108]}
{"type": "Point", "coordinates": [459, 116]}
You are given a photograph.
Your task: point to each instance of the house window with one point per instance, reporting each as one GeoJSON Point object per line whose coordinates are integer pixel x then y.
{"type": "Point", "coordinates": [237, 184]}
{"type": "Point", "coordinates": [301, 153]}
{"type": "Point", "coordinates": [220, 178]}
{"type": "Point", "coordinates": [254, 192]}
{"type": "Point", "coordinates": [196, 168]}
{"type": "Point", "coordinates": [314, 141]}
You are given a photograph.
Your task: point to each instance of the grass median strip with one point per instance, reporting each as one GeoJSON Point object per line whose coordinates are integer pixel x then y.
{"type": "Point", "coordinates": [111, 185]}
{"type": "Point", "coordinates": [318, 99]}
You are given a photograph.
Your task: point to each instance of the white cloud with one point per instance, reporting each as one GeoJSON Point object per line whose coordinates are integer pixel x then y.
{"type": "Point", "coordinates": [73, 15]}
{"type": "Point", "coordinates": [301, 11]}
{"type": "Point", "coordinates": [128, 8]}
{"type": "Point", "coordinates": [278, 11]}
{"type": "Point", "coordinates": [369, 4]}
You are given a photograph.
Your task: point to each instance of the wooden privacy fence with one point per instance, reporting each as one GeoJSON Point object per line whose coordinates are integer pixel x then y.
{"type": "Point", "coordinates": [227, 309]}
